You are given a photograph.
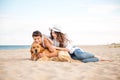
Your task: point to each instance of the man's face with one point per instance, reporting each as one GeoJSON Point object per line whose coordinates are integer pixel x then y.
{"type": "Point", "coordinates": [37, 39]}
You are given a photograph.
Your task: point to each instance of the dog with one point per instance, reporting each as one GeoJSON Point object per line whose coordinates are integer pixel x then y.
{"type": "Point", "coordinates": [64, 56]}
{"type": "Point", "coordinates": [36, 49]}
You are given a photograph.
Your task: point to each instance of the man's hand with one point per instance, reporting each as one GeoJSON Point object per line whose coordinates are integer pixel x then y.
{"type": "Point", "coordinates": [40, 55]}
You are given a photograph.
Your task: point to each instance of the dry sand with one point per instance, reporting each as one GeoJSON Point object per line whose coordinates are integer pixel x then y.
{"type": "Point", "coordinates": [16, 65]}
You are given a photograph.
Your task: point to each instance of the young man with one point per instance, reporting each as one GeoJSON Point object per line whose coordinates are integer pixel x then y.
{"type": "Point", "coordinates": [44, 42]}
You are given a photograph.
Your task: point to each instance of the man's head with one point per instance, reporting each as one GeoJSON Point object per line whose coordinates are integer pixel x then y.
{"type": "Point", "coordinates": [37, 36]}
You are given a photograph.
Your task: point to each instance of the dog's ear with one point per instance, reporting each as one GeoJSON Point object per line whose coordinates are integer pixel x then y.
{"type": "Point", "coordinates": [31, 51]}
{"type": "Point", "coordinates": [32, 55]}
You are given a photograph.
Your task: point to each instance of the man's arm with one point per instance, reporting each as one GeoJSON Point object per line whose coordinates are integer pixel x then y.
{"type": "Point", "coordinates": [50, 47]}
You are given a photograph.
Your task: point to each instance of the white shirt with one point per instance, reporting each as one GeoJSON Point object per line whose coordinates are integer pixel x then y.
{"type": "Point", "coordinates": [69, 46]}
{"type": "Point", "coordinates": [72, 48]}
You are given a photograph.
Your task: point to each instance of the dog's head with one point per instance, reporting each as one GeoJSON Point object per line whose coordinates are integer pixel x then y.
{"type": "Point", "coordinates": [35, 48]}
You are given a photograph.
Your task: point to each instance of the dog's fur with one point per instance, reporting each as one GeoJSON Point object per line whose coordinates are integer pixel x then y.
{"type": "Point", "coordinates": [36, 49]}
{"type": "Point", "coordinates": [65, 56]}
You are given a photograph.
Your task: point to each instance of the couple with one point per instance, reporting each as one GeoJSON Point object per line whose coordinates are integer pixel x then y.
{"type": "Point", "coordinates": [59, 41]}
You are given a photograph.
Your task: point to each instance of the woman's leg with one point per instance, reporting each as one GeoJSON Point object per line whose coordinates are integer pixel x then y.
{"type": "Point", "coordinates": [82, 55]}
{"type": "Point", "coordinates": [73, 56]}
{"type": "Point", "coordinates": [94, 59]}
{"type": "Point", "coordinates": [103, 59]}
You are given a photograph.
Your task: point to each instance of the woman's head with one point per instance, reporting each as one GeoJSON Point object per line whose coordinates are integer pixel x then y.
{"type": "Point", "coordinates": [56, 33]}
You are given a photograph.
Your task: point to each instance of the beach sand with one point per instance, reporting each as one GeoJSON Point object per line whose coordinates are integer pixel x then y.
{"type": "Point", "coordinates": [16, 65]}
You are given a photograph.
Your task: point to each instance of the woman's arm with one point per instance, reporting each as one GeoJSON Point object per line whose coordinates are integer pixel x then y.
{"type": "Point", "coordinates": [62, 49]}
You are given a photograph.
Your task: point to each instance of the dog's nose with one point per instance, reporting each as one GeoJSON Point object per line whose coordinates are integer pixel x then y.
{"type": "Point", "coordinates": [35, 50]}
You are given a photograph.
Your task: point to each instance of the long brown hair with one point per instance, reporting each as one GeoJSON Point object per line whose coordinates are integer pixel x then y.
{"type": "Point", "coordinates": [61, 38]}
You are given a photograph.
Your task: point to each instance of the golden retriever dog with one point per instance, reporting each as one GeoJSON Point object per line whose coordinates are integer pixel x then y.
{"type": "Point", "coordinates": [65, 56]}
{"type": "Point", "coordinates": [36, 49]}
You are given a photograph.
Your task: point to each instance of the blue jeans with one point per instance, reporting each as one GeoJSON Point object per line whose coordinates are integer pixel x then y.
{"type": "Point", "coordinates": [84, 56]}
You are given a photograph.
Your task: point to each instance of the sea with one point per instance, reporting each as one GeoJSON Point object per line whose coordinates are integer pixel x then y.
{"type": "Point", "coordinates": [14, 47]}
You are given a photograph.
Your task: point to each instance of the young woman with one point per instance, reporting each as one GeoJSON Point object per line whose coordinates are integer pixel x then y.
{"type": "Point", "coordinates": [61, 42]}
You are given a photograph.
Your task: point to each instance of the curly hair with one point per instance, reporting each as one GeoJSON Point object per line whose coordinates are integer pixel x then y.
{"type": "Point", "coordinates": [61, 38]}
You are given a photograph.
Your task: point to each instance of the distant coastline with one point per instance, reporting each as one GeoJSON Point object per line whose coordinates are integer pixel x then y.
{"type": "Point", "coordinates": [14, 47]}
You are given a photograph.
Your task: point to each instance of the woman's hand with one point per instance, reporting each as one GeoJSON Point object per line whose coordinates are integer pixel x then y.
{"type": "Point", "coordinates": [65, 49]}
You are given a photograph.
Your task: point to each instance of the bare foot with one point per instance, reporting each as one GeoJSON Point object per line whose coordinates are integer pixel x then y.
{"type": "Point", "coordinates": [106, 60]}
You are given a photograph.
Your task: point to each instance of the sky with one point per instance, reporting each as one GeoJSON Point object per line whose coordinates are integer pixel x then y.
{"type": "Point", "coordinates": [86, 22]}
